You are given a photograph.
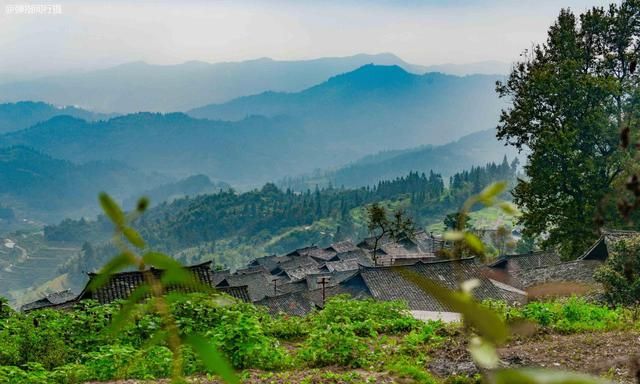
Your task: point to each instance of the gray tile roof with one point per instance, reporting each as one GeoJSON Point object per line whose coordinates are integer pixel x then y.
{"type": "Point", "coordinates": [293, 303]}
{"type": "Point", "coordinates": [353, 286]}
{"type": "Point", "coordinates": [218, 276]}
{"type": "Point", "coordinates": [300, 272]}
{"type": "Point", "coordinates": [527, 260]}
{"type": "Point", "coordinates": [331, 279]}
{"type": "Point", "coordinates": [343, 265]}
{"type": "Point", "coordinates": [258, 283]}
{"type": "Point", "coordinates": [283, 286]}
{"type": "Point", "coordinates": [361, 255]}
{"type": "Point", "coordinates": [296, 262]}
{"type": "Point", "coordinates": [602, 247]}
{"type": "Point", "coordinates": [301, 251]}
{"type": "Point", "coordinates": [270, 262]}
{"type": "Point", "coordinates": [49, 300]}
{"type": "Point", "coordinates": [576, 271]}
{"type": "Point", "coordinates": [240, 293]}
{"type": "Point", "coordinates": [386, 283]}
{"type": "Point", "coordinates": [342, 247]}
{"type": "Point", "coordinates": [121, 285]}
{"type": "Point", "coordinates": [322, 254]}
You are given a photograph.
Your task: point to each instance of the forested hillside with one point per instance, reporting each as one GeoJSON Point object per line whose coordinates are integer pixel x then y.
{"type": "Point", "coordinates": [232, 228]}
{"type": "Point", "coordinates": [191, 186]}
{"type": "Point", "coordinates": [40, 187]}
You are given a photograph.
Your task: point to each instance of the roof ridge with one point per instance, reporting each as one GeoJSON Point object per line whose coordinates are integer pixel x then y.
{"type": "Point", "coordinates": [420, 261]}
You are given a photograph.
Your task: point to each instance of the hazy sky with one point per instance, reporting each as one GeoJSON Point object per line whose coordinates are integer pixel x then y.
{"type": "Point", "coordinates": [92, 34]}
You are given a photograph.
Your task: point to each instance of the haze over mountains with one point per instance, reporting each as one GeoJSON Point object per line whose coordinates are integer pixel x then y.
{"type": "Point", "coordinates": [37, 186]}
{"type": "Point", "coordinates": [23, 114]}
{"type": "Point", "coordinates": [469, 151]}
{"type": "Point", "coordinates": [272, 135]}
{"type": "Point", "coordinates": [377, 107]}
{"type": "Point", "coordinates": [169, 88]}
{"type": "Point", "coordinates": [342, 122]}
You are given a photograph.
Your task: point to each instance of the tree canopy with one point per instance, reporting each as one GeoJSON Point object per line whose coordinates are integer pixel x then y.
{"type": "Point", "coordinates": [570, 98]}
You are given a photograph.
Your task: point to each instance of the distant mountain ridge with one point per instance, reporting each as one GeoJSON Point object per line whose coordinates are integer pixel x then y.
{"type": "Point", "coordinates": [138, 86]}
{"type": "Point", "coordinates": [261, 138]}
{"type": "Point", "coordinates": [172, 144]}
{"type": "Point", "coordinates": [488, 67]}
{"type": "Point", "coordinates": [471, 150]}
{"type": "Point", "coordinates": [191, 186]}
{"type": "Point", "coordinates": [23, 114]}
{"type": "Point", "coordinates": [378, 104]}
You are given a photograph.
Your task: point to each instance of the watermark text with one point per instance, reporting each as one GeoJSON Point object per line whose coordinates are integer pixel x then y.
{"type": "Point", "coordinates": [33, 9]}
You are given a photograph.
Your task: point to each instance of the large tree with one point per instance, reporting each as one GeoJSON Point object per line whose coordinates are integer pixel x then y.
{"type": "Point", "coordinates": [569, 99]}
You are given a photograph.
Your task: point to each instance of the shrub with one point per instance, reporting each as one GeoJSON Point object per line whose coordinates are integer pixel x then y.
{"type": "Point", "coordinates": [119, 362]}
{"type": "Point", "coordinates": [240, 336]}
{"type": "Point", "coordinates": [568, 315]}
{"type": "Point", "coordinates": [620, 274]}
{"type": "Point", "coordinates": [426, 336]}
{"type": "Point", "coordinates": [334, 344]}
{"type": "Point", "coordinates": [367, 317]}
{"type": "Point", "coordinates": [287, 327]}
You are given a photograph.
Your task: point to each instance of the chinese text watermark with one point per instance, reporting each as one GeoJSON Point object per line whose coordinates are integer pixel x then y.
{"type": "Point", "coordinates": [33, 9]}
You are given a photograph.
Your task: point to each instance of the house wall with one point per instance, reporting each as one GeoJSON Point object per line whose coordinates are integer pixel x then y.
{"type": "Point", "coordinates": [574, 271]}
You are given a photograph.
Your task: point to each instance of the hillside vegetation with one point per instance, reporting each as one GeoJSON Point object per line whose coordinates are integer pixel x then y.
{"type": "Point", "coordinates": [348, 341]}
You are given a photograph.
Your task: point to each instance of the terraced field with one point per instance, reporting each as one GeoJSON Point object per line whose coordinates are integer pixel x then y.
{"type": "Point", "coordinates": [26, 260]}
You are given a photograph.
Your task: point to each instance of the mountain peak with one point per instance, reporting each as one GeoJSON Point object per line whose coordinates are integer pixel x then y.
{"type": "Point", "coordinates": [372, 75]}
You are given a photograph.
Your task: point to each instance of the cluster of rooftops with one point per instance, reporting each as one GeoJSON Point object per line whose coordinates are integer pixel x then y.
{"type": "Point", "coordinates": [302, 280]}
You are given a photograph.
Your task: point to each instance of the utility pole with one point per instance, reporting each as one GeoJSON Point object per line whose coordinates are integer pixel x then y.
{"type": "Point", "coordinates": [323, 281]}
{"type": "Point", "coordinates": [275, 287]}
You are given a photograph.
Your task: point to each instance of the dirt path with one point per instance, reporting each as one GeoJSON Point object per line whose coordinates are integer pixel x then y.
{"type": "Point", "coordinates": [609, 354]}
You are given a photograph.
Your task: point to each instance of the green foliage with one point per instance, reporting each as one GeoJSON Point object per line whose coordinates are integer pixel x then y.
{"type": "Point", "coordinates": [452, 220]}
{"type": "Point", "coordinates": [241, 338]}
{"type": "Point", "coordinates": [121, 361]}
{"type": "Point", "coordinates": [426, 336]}
{"type": "Point", "coordinates": [414, 373]}
{"type": "Point", "coordinates": [461, 379]}
{"type": "Point", "coordinates": [335, 344]}
{"type": "Point", "coordinates": [620, 274]}
{"type": "Point", "coordinates": [380, 225]}
{"type": "Point", "coordinates": [342, 333]}
{"type": "Point", "coordinates": [366, 317]}
{"type": "Point", "coordinates": [286, 327]}
{"type": "Point", "coordinates": [570, 315]}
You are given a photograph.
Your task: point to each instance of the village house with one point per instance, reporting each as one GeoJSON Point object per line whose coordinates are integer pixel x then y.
{"type": "Point", "coordinates": [302, 280]}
